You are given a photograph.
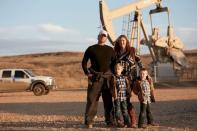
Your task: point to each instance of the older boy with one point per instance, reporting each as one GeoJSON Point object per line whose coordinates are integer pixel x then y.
{"type": "Point", "coordinates": [120, 89]}
{"type": "Point", "coordinates": [144, 88]}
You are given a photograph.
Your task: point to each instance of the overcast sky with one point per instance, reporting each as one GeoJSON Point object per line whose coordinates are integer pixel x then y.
{"type": "Point", "coordinates": [32, 26]}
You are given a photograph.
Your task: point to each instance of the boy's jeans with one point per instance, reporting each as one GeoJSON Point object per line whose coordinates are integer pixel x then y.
{"type": "Point", "coordinates": [121, 110]}
{"type": "Point", "coordinates": [145, 108]}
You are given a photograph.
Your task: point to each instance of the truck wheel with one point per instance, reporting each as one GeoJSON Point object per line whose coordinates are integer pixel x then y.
{"type": "Point", "coordinates": [46, 91]}
{"type": "Point", "coordinates": [39, 89]}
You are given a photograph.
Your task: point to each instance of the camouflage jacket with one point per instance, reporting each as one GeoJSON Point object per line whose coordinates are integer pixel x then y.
{"type": "Point", "coordinates": [129, 60]}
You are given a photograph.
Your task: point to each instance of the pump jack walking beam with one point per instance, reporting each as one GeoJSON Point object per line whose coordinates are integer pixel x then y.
{"type": "Point", "coordinates": [107, 15]}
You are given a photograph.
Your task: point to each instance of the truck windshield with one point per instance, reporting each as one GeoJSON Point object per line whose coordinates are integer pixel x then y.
{"type": "Point", "coordinates": [30, 73]}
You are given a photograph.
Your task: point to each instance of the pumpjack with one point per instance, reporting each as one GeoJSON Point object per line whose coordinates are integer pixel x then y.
{"type": "Point", "coordinates": [166, 51]}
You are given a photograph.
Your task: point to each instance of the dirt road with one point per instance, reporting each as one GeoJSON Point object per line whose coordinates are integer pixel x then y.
{"type": "Point", "coordinates": [175, 109]}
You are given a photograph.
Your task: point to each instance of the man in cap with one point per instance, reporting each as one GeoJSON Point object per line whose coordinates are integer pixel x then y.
{"type": "Point", "coordinates": [101, 57]}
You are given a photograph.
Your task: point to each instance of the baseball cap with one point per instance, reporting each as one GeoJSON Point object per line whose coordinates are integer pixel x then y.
{"type": "Point", "coordinates": [103, 32]}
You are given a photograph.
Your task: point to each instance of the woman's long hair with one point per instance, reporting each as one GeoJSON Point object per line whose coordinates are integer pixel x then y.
{"type": "Point", "coordinates": [129, 49]}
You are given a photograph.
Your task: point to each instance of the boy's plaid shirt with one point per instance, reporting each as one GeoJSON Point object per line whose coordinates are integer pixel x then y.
{"type": "Point", "coordinates": [121, 88]}
{"type": "Point", "coordinates": [145, 86]}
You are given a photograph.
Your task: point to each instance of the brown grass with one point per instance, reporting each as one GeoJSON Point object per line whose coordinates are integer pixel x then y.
{"type": "Point", "coordinates": [65, 67]}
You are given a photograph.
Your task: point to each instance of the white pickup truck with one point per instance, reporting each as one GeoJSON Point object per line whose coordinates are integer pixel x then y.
{"type": "Point", "coordinates": [24, 80]}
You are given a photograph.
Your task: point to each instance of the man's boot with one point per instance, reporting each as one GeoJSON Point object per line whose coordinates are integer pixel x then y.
{"type": "Point", "coordinates": [132, 116]}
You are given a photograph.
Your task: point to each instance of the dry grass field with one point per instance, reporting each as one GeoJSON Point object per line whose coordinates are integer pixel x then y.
{"type": "Point", "coordinates": [65, 67]}
{"type": "Point", "coordinates": [175, 109]}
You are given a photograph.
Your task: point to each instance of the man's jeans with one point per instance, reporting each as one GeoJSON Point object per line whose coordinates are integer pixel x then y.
{"type": "Point", "coordinates": [96, 88]}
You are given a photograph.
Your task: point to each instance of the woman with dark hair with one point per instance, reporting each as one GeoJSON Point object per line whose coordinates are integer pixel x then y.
{"type": "Point", "coordinates": [127, 57]}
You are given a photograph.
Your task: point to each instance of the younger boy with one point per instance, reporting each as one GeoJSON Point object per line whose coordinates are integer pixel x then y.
{"type": "Point", "coordinates": [120, 89]}
{"type": "Point", "coordinates": [144, 89]}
